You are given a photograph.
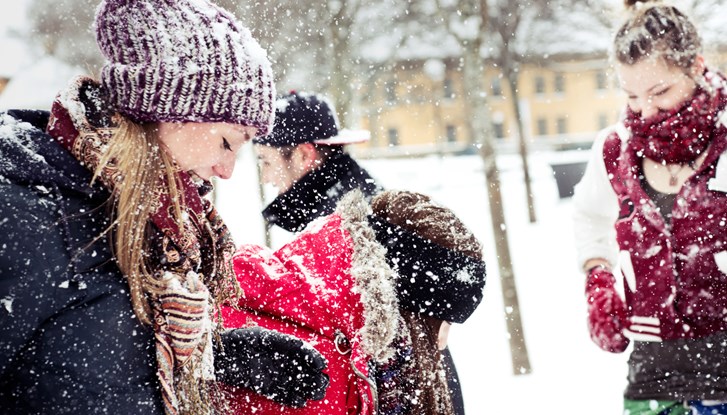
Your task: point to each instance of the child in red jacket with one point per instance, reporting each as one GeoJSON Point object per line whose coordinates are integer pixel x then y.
{"type": "Point", "coordinates": [368, 291]}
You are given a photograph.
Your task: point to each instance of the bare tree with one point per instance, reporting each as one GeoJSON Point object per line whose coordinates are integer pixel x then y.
{"type": "Point", "coordinates": [292, 33]}
{"type": "Point", "coordinates": [321, 46]}
{"type": "Point", "coordinates": [64, 30]}
{"type": "Point", "coordinates": [504, 23]}
{"type": "Point", "coordinates": [466, 20]}
{"type": "Point", "coordinates": [310, 44]}
{"type": "Point", "coordinates": [511, 45]}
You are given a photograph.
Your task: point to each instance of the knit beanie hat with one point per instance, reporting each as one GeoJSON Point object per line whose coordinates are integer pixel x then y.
{"type": "Point", "coordinates": [460, 278]}
{"type": "Point", "coordinates": [183, 61]}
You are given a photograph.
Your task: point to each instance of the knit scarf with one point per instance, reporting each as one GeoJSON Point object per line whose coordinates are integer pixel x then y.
{"type": "Point", "coordinates": [192, 270]}
{"type": "Point", "coordinates": [682, 134]}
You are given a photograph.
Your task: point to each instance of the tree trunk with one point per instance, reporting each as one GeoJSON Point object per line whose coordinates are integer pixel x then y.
{"type": "Point", "coordinates": [481, 132]}
{"type": "Point", "coordinates": [341, 79]}
{"type": "Point", "coordinates": [511, 76]}
{"type": "Point", "coordinates": [261, 194]}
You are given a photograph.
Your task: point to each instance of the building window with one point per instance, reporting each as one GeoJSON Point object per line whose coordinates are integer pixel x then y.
{"type": "Point", "coordinates": [559, 83]}
{"type": "Point", "coordinates": [451, 133]}
{"type": "Point", "coordinates": [602, 121]}
{"type": "Point", "coordinates": [498, 129]}
{"type": "Point", "coordinates": [496, 86]}
{"type": "Point", "coordinates": [539, 85]}
{"type": "Point", "coordinates": [601, 81]}
{"type": "Point", "coordinates": [390, 88]}
{"type": "Point", "coordinates": [542, 124]}
{"type": "Point", "coordinates": [393, 134]}
{"type": "Point", "coordinates": [448, 88]}
{"type": "Point", "coordinates": [561, 125]}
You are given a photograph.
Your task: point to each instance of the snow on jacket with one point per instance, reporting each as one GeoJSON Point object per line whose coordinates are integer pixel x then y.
{"type": "Point", "coordinates": [332, 287]}
{"type": "Point", "coordinates": [69, 340]}
{"type": "Point", "coordinates": [675, 278]}
{"type": "Point", "coordinates": [318, 192]}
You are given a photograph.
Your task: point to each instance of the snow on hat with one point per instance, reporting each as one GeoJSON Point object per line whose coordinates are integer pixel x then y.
{"type": "Point", "coordinates": [460, 278]}
{"type": "Point", "coordinates": [183, 61]}
{"type": "Point", "coordinates": [307, 118]}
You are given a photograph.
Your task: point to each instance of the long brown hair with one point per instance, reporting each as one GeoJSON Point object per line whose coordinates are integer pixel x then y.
{"type": "Point", "coordinates": [654, 29]}
{"type": "Point", "coordinates": [419, 214]}
{"type": "Point", "coordinates": [135, 153]}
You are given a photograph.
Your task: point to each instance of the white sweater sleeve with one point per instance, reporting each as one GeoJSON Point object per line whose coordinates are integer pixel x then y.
{"type": "Point", "coordinates": [595, 209]}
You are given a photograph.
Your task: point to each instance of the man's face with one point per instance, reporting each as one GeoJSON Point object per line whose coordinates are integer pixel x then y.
{"type": "Point", "coordinates": [282, 167]}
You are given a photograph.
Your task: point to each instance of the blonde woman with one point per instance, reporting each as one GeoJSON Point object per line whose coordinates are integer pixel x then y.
{"type": "Point", "coordinates": [112, 262]}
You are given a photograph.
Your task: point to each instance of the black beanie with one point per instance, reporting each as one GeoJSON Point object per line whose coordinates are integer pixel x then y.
{"type": "Point", "coordinates": [460, 279]}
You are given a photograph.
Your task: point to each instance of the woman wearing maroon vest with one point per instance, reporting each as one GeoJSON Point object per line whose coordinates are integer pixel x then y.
{"type": "Point", "coordinates": [652, 208]}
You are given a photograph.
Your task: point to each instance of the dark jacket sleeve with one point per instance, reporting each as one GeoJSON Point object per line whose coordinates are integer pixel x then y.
{"type": "Point", "coordinates": [34, 280]}
{"type": "Point", "coordinates": [69, 340]}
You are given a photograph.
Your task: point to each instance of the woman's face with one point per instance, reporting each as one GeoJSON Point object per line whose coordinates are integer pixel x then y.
{"type": "Point", "coordinates": [652, 86]}
{"type": "Point", "coordinates": [208, 149]}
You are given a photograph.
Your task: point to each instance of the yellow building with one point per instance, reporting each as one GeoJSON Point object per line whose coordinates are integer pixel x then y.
{"type": "Point", "coordinates": [563, 102]}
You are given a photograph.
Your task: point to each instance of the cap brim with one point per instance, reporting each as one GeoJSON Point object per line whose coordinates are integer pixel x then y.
{"type": "Point", "coordinates": [346, 137]}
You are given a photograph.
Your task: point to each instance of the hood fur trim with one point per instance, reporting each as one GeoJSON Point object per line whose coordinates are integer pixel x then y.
{"type": "Point", "coordinates": [375, 280]}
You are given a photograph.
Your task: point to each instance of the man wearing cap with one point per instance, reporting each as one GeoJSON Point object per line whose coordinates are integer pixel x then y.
{"type": "Point", "coordinates": [303, 158]}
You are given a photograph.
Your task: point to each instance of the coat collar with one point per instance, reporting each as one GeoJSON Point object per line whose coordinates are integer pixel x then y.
{"type": "Point", "coordinates": [316, 193]}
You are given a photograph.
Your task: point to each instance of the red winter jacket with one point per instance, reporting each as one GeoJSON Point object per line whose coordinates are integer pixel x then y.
{"type": "Point", "coordinates": [331, 287]}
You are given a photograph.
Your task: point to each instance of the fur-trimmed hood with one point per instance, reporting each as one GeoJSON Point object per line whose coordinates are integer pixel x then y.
{"type": "Point", "coordinates": [330, 286]}
{"type": "Point", "coordinates": [332, 277]}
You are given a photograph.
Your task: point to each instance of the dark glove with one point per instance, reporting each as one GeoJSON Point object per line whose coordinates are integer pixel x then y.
{"type": "Point", "coordinates": [273, 364]}
{"type": "Point", "coordinates": [606, 311]}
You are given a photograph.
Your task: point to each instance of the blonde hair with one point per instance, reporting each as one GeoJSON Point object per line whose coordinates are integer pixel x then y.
{"type": "Point", "coordinates": [139, 164]}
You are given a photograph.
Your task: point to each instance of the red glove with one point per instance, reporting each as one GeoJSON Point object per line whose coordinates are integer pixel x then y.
{"type": "Point", "coordinates": [606, 311]}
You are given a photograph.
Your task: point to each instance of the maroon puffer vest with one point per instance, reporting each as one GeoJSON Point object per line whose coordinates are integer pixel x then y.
{"type": "Point", "coordinates": [672, 278]}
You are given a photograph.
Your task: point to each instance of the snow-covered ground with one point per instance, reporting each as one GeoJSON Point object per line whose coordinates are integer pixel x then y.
{"type": "Point", "coordinates": [570, 374]}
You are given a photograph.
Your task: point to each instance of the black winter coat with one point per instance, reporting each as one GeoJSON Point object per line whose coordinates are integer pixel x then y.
{"type": "Point", "coordinates": [317, 193]}
{"type": "Point", "coordinates": [69, 340]}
